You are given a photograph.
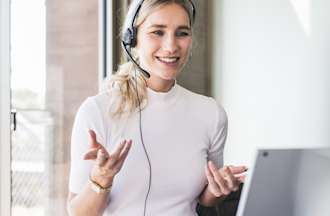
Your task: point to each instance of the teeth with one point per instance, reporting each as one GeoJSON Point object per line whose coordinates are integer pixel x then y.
{"type": "Point", "coordinates": [168, 59]}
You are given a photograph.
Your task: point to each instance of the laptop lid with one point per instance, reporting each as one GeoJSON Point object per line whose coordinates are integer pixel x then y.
{"type": "Point", "coordinates": [287, 182]}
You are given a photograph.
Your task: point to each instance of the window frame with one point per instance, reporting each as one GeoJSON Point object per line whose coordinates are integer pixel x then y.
{"type": "Point", "coordinates": [105, 39]}
{"type": "Point", "coordinates": [5, 133]}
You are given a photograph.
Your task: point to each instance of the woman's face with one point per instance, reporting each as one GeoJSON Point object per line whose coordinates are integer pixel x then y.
{"type": "Point", "coordinates": [164, 41]}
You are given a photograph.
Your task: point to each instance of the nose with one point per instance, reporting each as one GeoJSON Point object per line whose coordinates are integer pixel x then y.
{"type": "Point", "coordinates": [170, 44]}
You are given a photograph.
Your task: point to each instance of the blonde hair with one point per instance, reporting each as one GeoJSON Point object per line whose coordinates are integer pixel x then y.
{"type": "Point", "coordinates": [125, 96]}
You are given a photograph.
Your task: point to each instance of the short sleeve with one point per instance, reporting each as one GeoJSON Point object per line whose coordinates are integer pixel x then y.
{"type": "Point", "coordinates": [219, 136]}
{"type": "Point", "coordinates": [88, 117]}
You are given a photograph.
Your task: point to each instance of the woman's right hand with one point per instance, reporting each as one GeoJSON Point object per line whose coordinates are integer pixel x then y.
{"type": "Point", "coordinates": [106, 165]}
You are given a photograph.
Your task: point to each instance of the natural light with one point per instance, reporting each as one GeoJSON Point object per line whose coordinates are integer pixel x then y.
{"type": "Point", "coordinates": [302, 8]}
{"type": "Point", "coordinates": [28, 36]}
{"type": "Point", "coordinates": [28, 64]}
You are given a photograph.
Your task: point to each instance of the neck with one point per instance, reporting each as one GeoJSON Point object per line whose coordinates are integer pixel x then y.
{"type": "Point", "coordinates": [159, 85]}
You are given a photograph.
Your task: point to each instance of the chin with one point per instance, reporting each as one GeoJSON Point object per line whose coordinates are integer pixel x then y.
{"type": "Point", "coordinates": [168, 77]}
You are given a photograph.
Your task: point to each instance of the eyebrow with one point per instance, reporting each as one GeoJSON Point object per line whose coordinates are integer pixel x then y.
{"type": "Point", "coordinates": [182, 27]}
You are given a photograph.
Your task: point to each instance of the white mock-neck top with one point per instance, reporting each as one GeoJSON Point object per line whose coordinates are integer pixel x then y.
{"type": "Point", "coordinates": [181, 130]}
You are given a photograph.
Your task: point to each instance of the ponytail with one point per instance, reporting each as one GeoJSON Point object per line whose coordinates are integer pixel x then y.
{"type": "Point", "coordinates": [123, 89]}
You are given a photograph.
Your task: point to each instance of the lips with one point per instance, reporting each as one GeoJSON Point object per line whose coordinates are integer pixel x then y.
{"type": "Point", "coordinates": [168, 60]}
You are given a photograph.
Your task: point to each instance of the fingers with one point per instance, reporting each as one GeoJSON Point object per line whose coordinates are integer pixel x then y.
{"type": "Point", "coordinates": [212, 185]}
{"type": "Point", "coordinates": [92, 139]}
{"type": "Point", "coordinates": [219, 178]}
{"type": "Point", "coordinates": [123, 155]}
{"type": "Point", "coordinates": [114, 156]}
{"type": "Point", "coordinates": [91, 154]}
{"type": "Point", "coordinates": [239, 172]}
{"type": "Point", "coordinates": [232, 182]}
{"type": "Point", "coordinates": [120, 148]}
{"type": "Point", "coordinates": [102, 157]}
{"type": "Point", "coordinates": [237, 169]}
{"type": "Point", "coordinates": [108, 165]}
{"type": "Point", "coordinates": [241, 179]}
{"type": "Point", "coordinates": [126, 148]}
{"type": "Point", "coordinates": [225, 180]}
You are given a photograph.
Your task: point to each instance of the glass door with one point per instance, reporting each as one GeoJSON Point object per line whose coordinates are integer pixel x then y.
{"type": "Point", "coordinates": [32, 132]}
{"type": "Point", "coordinates": [54, 68]}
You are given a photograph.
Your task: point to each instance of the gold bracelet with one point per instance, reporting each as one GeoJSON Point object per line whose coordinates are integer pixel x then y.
{"type": "Point", "coordinates": [98, 188]}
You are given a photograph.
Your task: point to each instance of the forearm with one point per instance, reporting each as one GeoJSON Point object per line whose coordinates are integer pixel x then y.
{"type": "Point", "coordinates": [207, 199]}
{"type": "Point", "coordinates": [88, 203]}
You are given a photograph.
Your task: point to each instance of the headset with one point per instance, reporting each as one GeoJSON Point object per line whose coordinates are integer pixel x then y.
{"type": "Point", "coordinates": [129, 40]}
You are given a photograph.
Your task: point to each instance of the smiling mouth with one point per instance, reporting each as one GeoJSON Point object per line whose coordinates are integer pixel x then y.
{"type": "Point", "coordinates": [168, 60]}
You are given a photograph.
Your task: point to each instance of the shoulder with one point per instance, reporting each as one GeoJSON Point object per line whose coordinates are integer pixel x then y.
{"type": "Point", "coordinates": [95, 105]}
{"type": "Point", "coordinates": [205, 104]}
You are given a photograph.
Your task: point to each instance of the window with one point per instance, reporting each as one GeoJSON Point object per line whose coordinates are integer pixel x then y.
{"type": "Point", "coordinates": [54, 64]}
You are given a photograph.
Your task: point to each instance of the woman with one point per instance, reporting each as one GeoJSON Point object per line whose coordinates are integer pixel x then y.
{"type": "Point", "coordinates": [170, 140]}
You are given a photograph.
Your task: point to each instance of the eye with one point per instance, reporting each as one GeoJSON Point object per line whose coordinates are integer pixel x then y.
{"type": "Point", "coordinates": [158, 32]}
{"type": "Point", "coordinates": [182, 33]}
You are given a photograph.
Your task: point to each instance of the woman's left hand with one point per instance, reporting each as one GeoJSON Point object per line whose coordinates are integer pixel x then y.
{"type": "Point", "coordinates": [222, 182]}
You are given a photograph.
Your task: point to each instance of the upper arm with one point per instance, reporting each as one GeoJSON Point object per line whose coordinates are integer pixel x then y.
{"type": "Point", "coordinates": [218, 136]}
{"type": "Point", "coordinates": [71, 196]}
{"type": "Point", "coordinates": [68, 201]}
{"type": "Point", "coordinates": [87, 117]}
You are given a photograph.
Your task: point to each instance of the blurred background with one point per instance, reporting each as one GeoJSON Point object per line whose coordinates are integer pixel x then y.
{"type": "Point", "coordinates": [266, 61]}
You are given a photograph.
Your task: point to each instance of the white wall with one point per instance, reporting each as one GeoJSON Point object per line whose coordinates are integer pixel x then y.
{"type": "Point", "coordinates": [271, 66]}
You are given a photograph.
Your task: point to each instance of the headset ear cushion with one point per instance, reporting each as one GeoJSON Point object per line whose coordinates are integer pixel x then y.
{"type": "Point", "coordinates": [127, 37]}
{"type": "Point", "coordinates": [133, 37]}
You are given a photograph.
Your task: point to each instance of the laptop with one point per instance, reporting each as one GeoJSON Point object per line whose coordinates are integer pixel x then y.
{"type": "Point", "coordinates": [287, 182]}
